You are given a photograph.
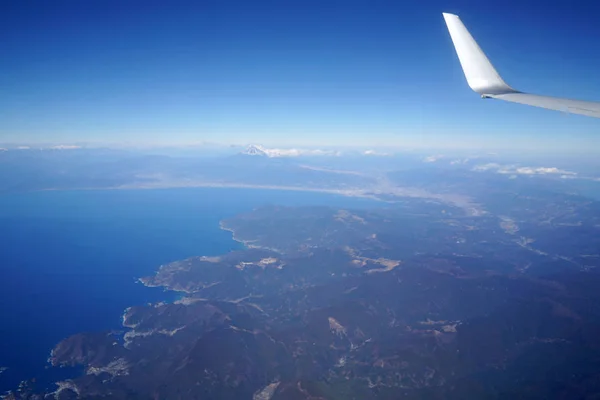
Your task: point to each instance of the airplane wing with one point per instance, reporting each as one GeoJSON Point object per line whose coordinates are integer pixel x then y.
{"type": "Point", "coordinates": [483, 78]}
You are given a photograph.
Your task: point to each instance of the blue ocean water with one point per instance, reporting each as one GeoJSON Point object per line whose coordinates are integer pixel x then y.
{"type": "Point", "coordinates": [69, 259]}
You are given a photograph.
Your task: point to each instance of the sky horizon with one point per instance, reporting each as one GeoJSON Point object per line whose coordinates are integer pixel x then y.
{"type": "Point", "coordinates": [431, 149]}
{"type": "Point", "coordinates": [298, 73]}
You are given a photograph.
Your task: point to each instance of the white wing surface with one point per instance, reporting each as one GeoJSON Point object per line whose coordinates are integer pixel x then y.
{"type": "Point", "coordinates": [483, 78]}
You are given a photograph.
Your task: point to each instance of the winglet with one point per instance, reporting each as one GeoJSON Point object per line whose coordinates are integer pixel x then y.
{"type": "Point", "coordinates": [480, 73]}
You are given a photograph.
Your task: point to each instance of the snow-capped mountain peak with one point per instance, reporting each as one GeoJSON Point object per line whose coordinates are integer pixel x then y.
{"type": "Point", "coordinates": [256, 150]}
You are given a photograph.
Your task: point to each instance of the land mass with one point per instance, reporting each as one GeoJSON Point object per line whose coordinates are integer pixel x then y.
{"type": "Point", "coordinates": [416, 300]}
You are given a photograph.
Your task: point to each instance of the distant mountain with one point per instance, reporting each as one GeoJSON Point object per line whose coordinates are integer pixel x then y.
{"type": "Point", "coordinates": [258, 150]}
{"type": "Point", "coordinates": [254, 150]}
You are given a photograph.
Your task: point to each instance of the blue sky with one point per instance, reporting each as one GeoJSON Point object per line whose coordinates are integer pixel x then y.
{"type": "Point", "coordinates": [291, 72]}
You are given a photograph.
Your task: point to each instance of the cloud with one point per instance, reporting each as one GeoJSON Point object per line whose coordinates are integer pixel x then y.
{"type": "Point", "coordinates": [451, 161]}
{"type": "Point", "coordinates": [274, 153]}
{"type": "Point", "coordinates": [486, 167]}
{"type": "Point", "coordinates": [460, 161]}
{"type": "Point", "coordinates": [65, 147]}
{"type": "Point", "coordinates": [375, 153]}
{"type": "Point", "coordinates": [515, 170]}
{"type": "Point", "coordinates": [431, 159]}
{"type": "Point", "coordinates": [542, 171]}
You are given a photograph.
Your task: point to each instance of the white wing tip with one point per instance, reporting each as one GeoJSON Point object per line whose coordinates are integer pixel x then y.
{"type": "Point", "coordinates": [479, 72]}
{"type": "Point", "coordinates": [449, 16]}
{"type": "Point", "coordinates": [446, 15]}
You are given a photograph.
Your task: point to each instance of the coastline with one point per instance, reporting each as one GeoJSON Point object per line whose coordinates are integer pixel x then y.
{"type": "Point", "coordinates": [110, 245]}
{"type": "Point", "coordinates": [147, 281]}
{"type": "Point", "coordinates": [226, 229]}
{"type": "Point", "coordinates": [363, 193]}
{"type": "Point", "coordinates": [245, 243]}
{"type": "Point", "coordinates": [370, 193]}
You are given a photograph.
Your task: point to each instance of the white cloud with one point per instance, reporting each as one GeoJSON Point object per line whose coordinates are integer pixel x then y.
{"type": "Point", "coordinates": [431, 159]}
{"type": "Point", "coordinates": [486, 167]}
{"type": "Point", "coordinates": [23, 147]}
{"type": "Point", "coordinates": [65, 147]}
{"type": "Point", "coordinates": [542, 171]}
{"type": "Point", "coordinates": [451, 161]}
{"type": "Point", "coordinates": [460, 161]}
{"type": "Point", "coordinates": [515, 170]}
{"type": "Point", "coordinates": [375, 153]}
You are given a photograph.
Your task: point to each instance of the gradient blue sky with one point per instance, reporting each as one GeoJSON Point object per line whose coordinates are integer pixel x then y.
{"type": "Point", "coordinates": [291, 72]}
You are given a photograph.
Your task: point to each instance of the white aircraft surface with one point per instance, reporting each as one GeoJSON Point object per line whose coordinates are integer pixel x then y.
{"type": "Point", "coordinates": [483, 78]}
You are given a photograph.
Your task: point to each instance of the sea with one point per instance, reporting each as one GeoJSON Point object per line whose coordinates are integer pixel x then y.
{"type": "Point", "coordinates": [69, 260]}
